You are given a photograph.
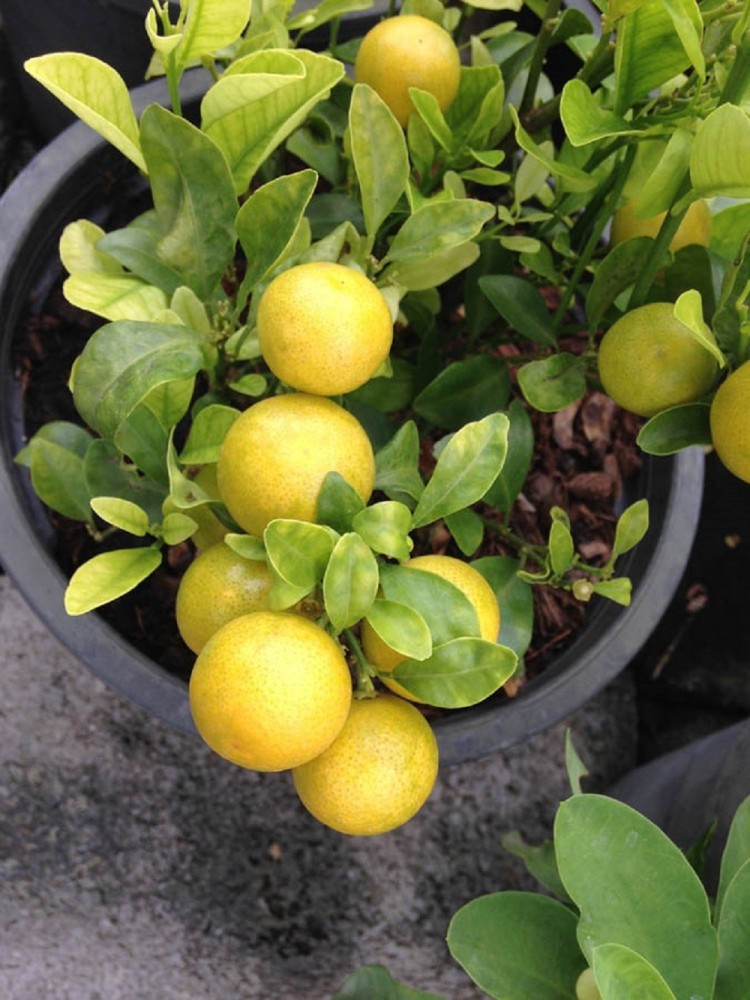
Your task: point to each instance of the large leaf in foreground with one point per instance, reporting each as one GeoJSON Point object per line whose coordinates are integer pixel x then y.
{"type": "Point", "coordinates": [618, 868]}
{"type": "Point", "coordinates": [519, 945]}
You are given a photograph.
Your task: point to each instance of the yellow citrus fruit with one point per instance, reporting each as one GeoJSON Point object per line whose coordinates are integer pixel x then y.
{"type": "Point", "coordinates": [276, 455]}
{"type": "Point", "coordinates": [649, 361]}
{"type": "Point", "coordinates": [730, 422]}
{"type": "Point", "coordinates": [408, 51]}
{"type": "Point", "coordinates": [270, 691]}
{"type": "Point", "coordinates": [469, 581]}
{"type": "Point", "coordinates": [694, 228]}
{"type": "Point", "coordinates": [378, 772]}
{"type": "Point", "coordinates": [324, 328]}
{"type": "Point", "coordinates": [217, 586]}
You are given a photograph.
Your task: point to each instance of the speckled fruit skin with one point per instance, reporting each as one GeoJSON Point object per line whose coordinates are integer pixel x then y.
{"type": "Point", "coordinates": [730, 422]}
{"type": "Point", "coordinates": [270, 691]}
{"type": "Point", "coordinates": [276, 455]}
{"type": "Point", "coordinates": [377, 774]}
{"type": "Point", "coordinates": [217, 586]}
{"type": "Point", "coordinates": [324, 328]}
{"type": "Point", "coordinates": [649, 361]}
{"type": "Point", "coordinates": [408, 51]}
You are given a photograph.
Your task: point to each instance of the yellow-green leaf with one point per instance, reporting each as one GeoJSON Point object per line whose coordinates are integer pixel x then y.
{"type": "Point", "coordinates": [95, 92]}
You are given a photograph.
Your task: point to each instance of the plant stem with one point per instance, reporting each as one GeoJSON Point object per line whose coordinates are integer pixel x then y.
{"type": "Point", "coordinates": [543, 41]}
{"type": "Point", "coordinates": [658, 251]}
{"type": "Point", "coordinates": [604, 215]}
{"type": "Point", "coordinates": [363, 687]}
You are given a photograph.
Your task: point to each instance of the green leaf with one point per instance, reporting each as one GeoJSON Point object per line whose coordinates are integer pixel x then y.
{"type": "Point", "coordinates": [572, 177]}
{"type": "Point", "coordinates": [260, 100]}
{"type": "Point", "coordinates": [210, 25]}
{"type": "Point", "coordinates": [299, 551]}
{"type": "Point", "coordinates": [458, 673]}
{"type": "Point", "coordinates": [177, 527]}
{"type": "Point", "coordinates": [350, 582]}
{"type": "Point", "coordinates": [80, 252]}
{"type": "Point", "coordinates": [617, 272]}
{"type": "Point", "coordinates": [515, 599]}
{"type": "Point", "coordinates": [123, 514]}
{"type": "Point", "coordinates": [623, 974]}
{"type": "Point", "coordinates": [56, 459]}
{"type": "Point", "coordinates": [93, 91]}
{"type": "Point", "coordinates": [428, 109]}
{"type": "Point", "coordinates": [618, 590]}
{"type": "Point", "coordinates": [193, 196]}
{"type": "Point", "coordinates": [729, 228]}
{"type": "Point", "coordinates": [467, 528]}
{"type": "Point", "coordinates": [504, 491]}
{"type": "Point", "coordinates": [734, 938]}
{"type": "Point", "coordinates": [433, 269]}
{"type": "Point", "coordinates": [123, 362]}
{"type": "Point", "coordinates": [388, 393]}
{"type": "Point", "coordinates": [467, 467]}
{"type": "Point", "coordinates": [560, 544]}
{"type": "Point", "coordinates": [585, 120]}
{"type": "Point", "coordinates": [539, 860]}
{"type": "Point", "coordinates": [385, 527]}
{"type": "Point", "coordinates": [574, 766]}
{"type": "Point", "coordinates": [115, 296]}
{"type": "Point", "coordinates": [718, 159]}
{"type": "Point", "coordinates": [324, 12]}
{"type": "Point", "coordinates": [374, 982]}
{"type": "Point", "coordinates": [660, 188]}
{"type": "Point", "coordinates": [397, 465]}
{"type": "Point", "coordinates": [437, 227]}
{"type": "Point", "coordinates": [207, 432]}
{"type": "Point", "coordinates": [687, 21]}
{"type": "Point", "coordinates": [401, 627]}
{"type": "Point", "coordinates": [736, 851]}
{"type": "Point", "coordinates": [136, 247]}
{"type": "Point", "coordinates": [553, 383]}
{"type": "Point", "coordinates": [688, 309]}
{"type": "Point", "coordinates": [618, 868]}
{"type": "Point", "coordinates": [676, 428]}
{"type": "Point", "coordinates": [446, 609]}
{"type": "Point", "coordinates": [518, 944]}
{"type": "Point", "coordinates": [379, 154]}
{"type": "Point", "coordinates": [107, 475]}
{"type": "Point", "coordinates": [108, 576]}
{"type": "Point", "coordinates": [251, 384]}
{"type": "Point", "coordinates": [521, 305]}
{"type": "Point", "coordinates": [464, 391]}
{"type": "Point", "coordinates": [338, 503]}
{"type": "Point", "coordinates": [632, 526]}
{"type": "Point", "coordinates": [268, 220]}
{"type": "Point", "coordinates": [648, 52]}
{"type": "Point", "coordinates": [246, 546]}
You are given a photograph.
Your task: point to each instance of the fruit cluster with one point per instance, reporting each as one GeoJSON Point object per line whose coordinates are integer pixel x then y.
{"type": "Point", "coordinates": [271, 689]}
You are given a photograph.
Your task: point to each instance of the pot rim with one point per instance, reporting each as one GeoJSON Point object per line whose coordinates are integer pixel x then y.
{"type": "Point", "coordinates": [609, 639]}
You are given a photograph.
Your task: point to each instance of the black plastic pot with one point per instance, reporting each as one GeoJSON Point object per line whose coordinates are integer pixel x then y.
{"type": "Point", "coordinates": [685, 791]}
{"type": "Point", "coordinates": [111, 30]}
{"type": "Point", "coordinates": [63, 183]}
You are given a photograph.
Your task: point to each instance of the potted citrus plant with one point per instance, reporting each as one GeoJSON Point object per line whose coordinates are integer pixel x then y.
{"type": "Point", "coordinates": [338, 315]}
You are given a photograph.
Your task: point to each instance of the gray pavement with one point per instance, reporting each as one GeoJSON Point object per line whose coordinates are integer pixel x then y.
{"type": "Point", "coordinates": [136, 865]}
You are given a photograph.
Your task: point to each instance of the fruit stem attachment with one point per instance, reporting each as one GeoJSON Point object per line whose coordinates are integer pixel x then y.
{"type": "Point", "coordinates": [363, 686]}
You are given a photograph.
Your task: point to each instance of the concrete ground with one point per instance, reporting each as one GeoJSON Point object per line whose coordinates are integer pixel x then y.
{"type": "Point", "coordinates": [137, 865]}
